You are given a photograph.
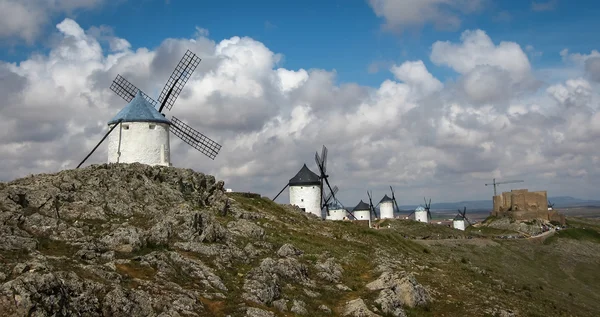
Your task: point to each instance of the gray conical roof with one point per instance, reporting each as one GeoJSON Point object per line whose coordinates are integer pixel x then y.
{"type": "Point", "coordinates": [139, 110]}
{"type": "Point", "coordinates": [385, 199]}
{"type": "Point", "coordinates": [362, 206]}
{"type": "Point", "coordinates": [305, 177]}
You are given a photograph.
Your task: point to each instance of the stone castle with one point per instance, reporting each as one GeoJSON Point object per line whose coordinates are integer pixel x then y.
{"type": "Point", "coordinates": [521, 204]}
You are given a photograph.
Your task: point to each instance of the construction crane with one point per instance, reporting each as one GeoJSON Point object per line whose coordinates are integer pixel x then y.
{"type": "Point", "coordinates": [505, 182]}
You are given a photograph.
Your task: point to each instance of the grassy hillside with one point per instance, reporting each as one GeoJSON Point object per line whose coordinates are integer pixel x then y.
{"type": "Point", "coordinates": [133, 240]}
{"type": "Point", "coordinates": [467, 276]}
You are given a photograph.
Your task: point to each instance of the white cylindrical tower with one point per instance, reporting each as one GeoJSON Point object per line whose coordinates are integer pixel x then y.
{"type": "Point", "coordinates": [362, 211]}
{"type": "Point", "coordinates": [141, 135]}
{"type": "Point", "coordinates": [458, 224]}
{"type": "Point", "coordinates": [421, 215]}
{"type": "Point", "coordinates": [336, 212]}
{"type": "Point", "coordinates": [386, 208]}
{"type": "Point", "coordinates": [305, 191]}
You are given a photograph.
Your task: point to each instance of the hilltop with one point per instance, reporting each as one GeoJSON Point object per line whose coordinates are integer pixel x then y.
{"type": "Point", "coordinates": [135, 240]}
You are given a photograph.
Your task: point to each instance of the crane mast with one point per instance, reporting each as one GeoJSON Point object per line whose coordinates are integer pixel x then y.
{"type": "Point", "coordinates": [494, 183]}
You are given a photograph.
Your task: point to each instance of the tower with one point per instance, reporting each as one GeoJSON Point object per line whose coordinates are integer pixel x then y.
{"type": "Point", "coordinates": [421, 214]}
{"type": "Point", "coordinates": [386, 208]}
{"type": "Point", "coordinates": [362, 211]}
{"type": "Point", "coordinates": [305, 191]}
{"type": "Point", "coordinates": [142, 135]}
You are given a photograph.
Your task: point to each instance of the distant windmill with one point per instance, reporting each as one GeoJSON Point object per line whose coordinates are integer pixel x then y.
{"type": "Point", "coordinates": [423, 214]}
{"type": "Point", "coordinates": [322, 166]}
{"type": "Point", "coordinates": [459, 220]}
{"type": "Point", "coordinates": [550, 205]}
{"type": "Point", "coordinates": [387, 205]}
{"type": "Point", "coordinates": [144, 131]}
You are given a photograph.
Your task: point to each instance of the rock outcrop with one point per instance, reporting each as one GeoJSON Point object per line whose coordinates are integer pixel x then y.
{"type": "Point", "coordinates": [135, 240]}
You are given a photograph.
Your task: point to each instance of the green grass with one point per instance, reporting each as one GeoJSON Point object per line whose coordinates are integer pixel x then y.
{"type": "Point", "coordinates": [575, 234]}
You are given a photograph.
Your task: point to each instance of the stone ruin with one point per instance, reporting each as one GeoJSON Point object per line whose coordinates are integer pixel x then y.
{"type": "Point", "coordinates": [521, 204]}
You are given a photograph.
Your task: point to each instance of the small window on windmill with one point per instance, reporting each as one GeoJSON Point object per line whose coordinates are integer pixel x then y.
{"type": "Point", "coordinates": [152, 126]}
{"type": "Point", "coordinates": [126, 127]}
{"type": "Point", "coordinates": [301, 199]}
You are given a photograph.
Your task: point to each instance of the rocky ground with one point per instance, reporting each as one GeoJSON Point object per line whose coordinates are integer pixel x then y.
{"type": "Point", "coordinates": [134, 240]}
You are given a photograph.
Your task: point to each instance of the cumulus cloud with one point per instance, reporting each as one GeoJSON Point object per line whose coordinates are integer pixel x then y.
{"type": "Point", "coordinates": [444, 14]}
{"type": "Point", "coordinates": [26, 19]}
{"type": "Point", "coordinates": [423, 136]}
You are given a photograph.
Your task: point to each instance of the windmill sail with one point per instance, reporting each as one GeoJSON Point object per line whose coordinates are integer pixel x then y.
{"type": "Point", "coordinates": [183, 71]}
{"type": "Point", "coordinates": [127, 90]}
{"type": "Point", "coordinates": [194, 138]}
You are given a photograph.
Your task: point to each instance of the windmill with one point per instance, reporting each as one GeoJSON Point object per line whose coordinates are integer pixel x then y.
{"type": "Point", "coordinates": [142, 109]}
{"type": "Point", "coordinates": [550, 206]}
{"type": "Point", "coordinates": [322, 167]}
{"type": "Point", "coordinates": [494, 183]}
{"type": "Point", "coordinates": [459, 220]}
{"type": "Point", "coordinates": [423, 214]}
{"type": "Point", "coordinates": [387, 206]}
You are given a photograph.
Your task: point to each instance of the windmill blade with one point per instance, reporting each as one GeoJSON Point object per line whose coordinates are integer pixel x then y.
{"type": "Point", "coordinates": [329, 186]}
{"type": "Point", "coordinates": [410, 214]}
{"type": "Point", "coordinates": [183, 71]}
{"type": "Point", "coordinates": [127, 90]}
{"type": "Point", "coordinates": [281, 191]}
{"type": "Point", "coordinates": [371, 207]}
{"type": "Point", "coordinates": [324, 159]}
{"type": "Point", "coordinates": [194, 138]}
{"type": "Point", "coordinates": [318, 161]}
{"type": "Point", "coordinates": [467, 219]}
{"type": "Point", "coordinates": [330, 195]}
{"type": "Point", "coordinates": [394, 199]}
{"type": "Point", "coordinates": [97, 145]}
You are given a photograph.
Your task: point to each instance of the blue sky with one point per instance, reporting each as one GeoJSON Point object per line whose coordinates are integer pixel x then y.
{"type": "Point", "coordinates": [344, 35]}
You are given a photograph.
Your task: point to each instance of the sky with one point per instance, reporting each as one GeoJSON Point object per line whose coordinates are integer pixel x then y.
{"type": "Point", "coordinates": [433, 97]}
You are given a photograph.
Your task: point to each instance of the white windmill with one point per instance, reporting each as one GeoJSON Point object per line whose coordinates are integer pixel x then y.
{"type": "Point", "coordinates": [423, 214]}
{"type": "Point", "coordinates": [305, 191]}
{"type": "Point", "coordinates": [386, 208]}
{"type": "Point", "coordinates": [362, 211]}
{"type": "Point", "coordinates": [460, 220]}
{"type": "Point", "coordinates": [143, 130]}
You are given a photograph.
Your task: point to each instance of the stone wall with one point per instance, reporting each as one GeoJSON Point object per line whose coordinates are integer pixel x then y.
{"type": "Point", "coordinates": [521, 204]}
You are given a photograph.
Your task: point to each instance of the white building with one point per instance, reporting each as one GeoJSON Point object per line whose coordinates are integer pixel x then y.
{"type": "Point", "coordinates": [421, 215]}
{"type": "Point", "coordinates": [305, 191]}
{"type": "Point", "coordinates": [336, 212]}
{"type": "Point", "coordinates": [362, 211]}
{"type": "Point", "coordinates": [142, 135]}
{"type": "Point", "coordinates": [458, 223]}
{"type": "Point", "coordinates": [386, 208]}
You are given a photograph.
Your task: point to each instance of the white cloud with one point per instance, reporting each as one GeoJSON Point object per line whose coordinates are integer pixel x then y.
{"type": "Point", "coordinates": [444, 14]}
{"type": "Point", "coordinates": [26, 19]}
{"type": "Point", "coordinates": [416, 75]}
{"type": "Point", "coordinates": [413, 132]}
{"type": "Point", "coordinates": [477, 48]}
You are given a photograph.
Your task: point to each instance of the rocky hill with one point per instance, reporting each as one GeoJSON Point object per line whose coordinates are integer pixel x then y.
{"type": "Point", "coordinates": [134, 240]}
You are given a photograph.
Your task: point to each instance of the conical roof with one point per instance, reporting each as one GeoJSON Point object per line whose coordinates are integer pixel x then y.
{"type": "Point", "coordinates": [139, 110]}
{"type": "Point", "coordinates": [305, 177]}
{"type": "Point", "coordinates": [385, 199]}
{"type": "Point", "coordinates": [362, 206]}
